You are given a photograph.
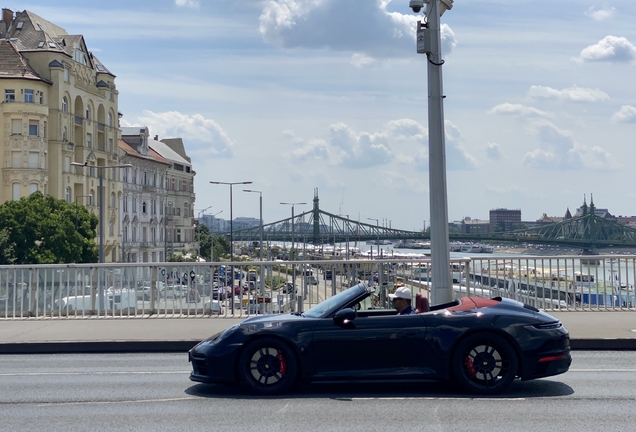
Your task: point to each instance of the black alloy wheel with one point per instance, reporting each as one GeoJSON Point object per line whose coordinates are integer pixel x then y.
{"type": "Point", "coordinates": [267, 366]}
{"type": "Point", "coordinates": [485, 363]}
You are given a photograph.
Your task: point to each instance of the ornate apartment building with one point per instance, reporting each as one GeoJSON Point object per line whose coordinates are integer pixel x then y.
{"type": "Point", "coordinates": [168, 183]}
{"type": "Point", "coordinates": [59, 107]}
{"type": "Point", "coordinates": [144, 198]}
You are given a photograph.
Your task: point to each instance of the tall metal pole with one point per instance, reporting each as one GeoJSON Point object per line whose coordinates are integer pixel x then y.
{"type": "Point", "coordinates": [260, 201]}
{"type": "Point", "coordinates": [440, 248]}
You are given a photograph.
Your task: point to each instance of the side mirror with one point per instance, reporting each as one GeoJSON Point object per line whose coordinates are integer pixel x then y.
{"type": "Point", "coordinates": [344, 316]}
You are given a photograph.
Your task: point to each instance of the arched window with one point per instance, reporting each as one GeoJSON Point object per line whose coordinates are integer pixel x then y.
{"type": "Point", "coordinates": [67, 194]}
{"type": "Point", "coordinates": [33, 187]}
{"type": "Point", "coordinates": [112, 199]}
{"type": "Point", "coordinates": [186, 210]}
{"type": "Point", "coordinates": [110, 119]}
{"type": "Point", "coordinates": [91, 198]}
{"type": "Point", "coordinates": [64, 104]}
{"type": "Point", "coordinates": [88, 112]}
{"type": "Point", "coordinates": [143, 207]}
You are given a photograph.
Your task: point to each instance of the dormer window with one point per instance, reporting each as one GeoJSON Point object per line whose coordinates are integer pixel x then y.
{"type": "Point", "coordinates": [80, 56]}
{"type": "Point", "coordinates": [19, 25]}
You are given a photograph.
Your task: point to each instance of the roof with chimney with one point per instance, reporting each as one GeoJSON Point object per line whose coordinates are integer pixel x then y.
{"type": "Point", "coordinates": [32, 33]}
{"type": "Point", "coordinates": [130, 151]}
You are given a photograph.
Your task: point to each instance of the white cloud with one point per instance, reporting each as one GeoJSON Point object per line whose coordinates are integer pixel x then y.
{"type": "Point", "coordinates": [361, 26]}
{"type": "Point", "coordinates": [610, 49]}
{"type": "Point", "coordinates": [574, 93]}
{"type": "Point", "coordinates": [517, 109]}
{"type": "Point", "coordinates": [560, 151]}
{"type": "Point", "coordinates": [203, 136]}
{"type": "Point", "coordinates": [194, 4]}
{"type": "Point", "coordinates": [600, 14]}
{"type": "Point", "coordinates": [493, 152]}
{"type": "Point", "coordinates": [362, 60]}
{"type": "Point", "coordinates": [627, 114]}
{"type": "Point", "coordinates": [457, 158]}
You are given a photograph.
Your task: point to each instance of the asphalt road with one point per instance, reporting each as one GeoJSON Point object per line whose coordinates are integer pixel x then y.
{"type": "Point", "coordinates": [152, 392]}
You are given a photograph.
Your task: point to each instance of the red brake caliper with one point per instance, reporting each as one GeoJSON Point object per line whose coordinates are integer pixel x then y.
{"type": "Point", "coordinates": [469, 366]}
{"type": "Point", "coordinates": [282, 362]}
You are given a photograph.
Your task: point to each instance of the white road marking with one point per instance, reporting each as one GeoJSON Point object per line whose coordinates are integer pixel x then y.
{"type": "Point", "coordinates": [116, 402]}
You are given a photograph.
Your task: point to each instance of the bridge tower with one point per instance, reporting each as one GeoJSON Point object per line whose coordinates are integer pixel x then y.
{"type": "Point", "coordinates": [316, 212]}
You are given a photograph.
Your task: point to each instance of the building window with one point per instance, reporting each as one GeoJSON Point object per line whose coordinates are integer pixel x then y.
{"type": "Point", "coordinates": [125, 236]}
{"type": "Point", "coordinates": [66, 75]}
{"type": "Point", "coordinates": [67, 164]}
{"type": "Point", "coordinates": [16, 191]}
{"type": "Point", "coordinates": [28, 96]}
{"type": "Point", "coordinates": [34, 160]}
{"type": "Point", "coordinates": [67, 194]}
{"type": "Point", "coordinates": [186, 210]}
{"type": "Point", "coordinates": [33, 187]}
{"type": "Point", "coordinates": [64, 104]}
{"type": "Point", "coordinates": [91, 198]}
{"type": "Point", "coordinates": [88, 113]}
{"type": "Point", "coordinates": [143, 207]}
{"type": "Point", "coordinates": [91, 171]}
{"type": "Point", "coordinates": [16, 126]}
{"type": "Point", "coordinates": [112, 94]}
{"type": "Point", "coordinates": [112, 200]}
{"type": "Point", "coordinates": [111, 228]}
{"type": "Point", "coordinates": [89, 140]}
{"type": "Point", "coordinates": [134, 234]}
{"type": "Point", "coordinates": [110, 119]}
{"type": "Point", "coordinates": [125, 204]}
{"type": "Point", "coordinates": [33, 127]}
{"type": "Point", "coordinates": [110, 145]}
{"type": "Point", "coordinates": [125, 175]}
{"type": "Point", "coordinates": [16, 159]}
{"type": "Point", "coordinates": [134, 176]}
{"type": "Point", "coordinates": [134, 205]}
{"type": "Point", "coordinates": [41, 98]}
{"type": "Point", "coordinates": [9, 95]}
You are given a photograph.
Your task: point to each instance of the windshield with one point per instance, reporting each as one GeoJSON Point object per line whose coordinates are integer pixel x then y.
{"type": "Point", "coordinates": [332, 304]}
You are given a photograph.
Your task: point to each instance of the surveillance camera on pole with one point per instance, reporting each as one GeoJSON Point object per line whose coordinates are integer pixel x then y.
{"type": "Point", "coordinates": [429, 42]}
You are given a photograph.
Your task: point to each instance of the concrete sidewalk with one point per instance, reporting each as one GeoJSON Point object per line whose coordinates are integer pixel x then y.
{"type": "Point", "coordinates": [588, 331]}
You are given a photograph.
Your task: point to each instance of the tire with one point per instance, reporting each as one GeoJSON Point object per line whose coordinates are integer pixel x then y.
{"type": "Point", "coordinates": [267, 366]}
{"type": "Point", "coordinates": [485, 363]}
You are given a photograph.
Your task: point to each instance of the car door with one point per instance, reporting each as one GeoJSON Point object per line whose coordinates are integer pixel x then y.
{"type": "Point", "coordinates": [370, 347]}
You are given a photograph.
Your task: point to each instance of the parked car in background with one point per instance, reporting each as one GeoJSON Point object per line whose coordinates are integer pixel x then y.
{"type": "Point", "coordinates": [213, 307]}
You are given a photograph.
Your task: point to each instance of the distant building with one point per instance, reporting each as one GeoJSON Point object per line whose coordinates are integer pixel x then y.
{"type": "Point", "coordinates": [474, 226]}
{"type": "Point", "coordinates": [504, 218]}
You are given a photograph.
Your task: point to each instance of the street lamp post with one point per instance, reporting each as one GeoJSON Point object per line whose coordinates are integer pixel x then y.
{"type": "Point", "coordinates": [99, 168]}
{"type": "Point", "coordinates": [429, 42]}
{"type": "Point", "coordinates": [199, 231]}
{"type": "Point", "coordinates": [377, 223]}
{"type": "Point", "coordinates": [260, 200]}
{"type": "Point", "coordinates": [300, 298]}
{"type": "Point", "coordinates": [230, 184]}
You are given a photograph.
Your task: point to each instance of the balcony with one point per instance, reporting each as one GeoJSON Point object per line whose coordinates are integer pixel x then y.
{"type": "Point", "coordinates": [79, 120]}
{"type": "Point", "coordinates": [101, 127]}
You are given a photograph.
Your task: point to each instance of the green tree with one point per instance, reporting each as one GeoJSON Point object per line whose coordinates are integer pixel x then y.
{"type": "Point", "coordinates": [7, 249]}
{"type": "Point", "coordinates": [45, 230]}
{"type": "Point", "coordinates": [206, 240]}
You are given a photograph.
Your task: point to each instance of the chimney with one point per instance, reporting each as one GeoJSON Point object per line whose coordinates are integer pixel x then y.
{"type": "Point", "coordinates": [7, 16]}
{"type": "Point", "coordinates": [156, 137]}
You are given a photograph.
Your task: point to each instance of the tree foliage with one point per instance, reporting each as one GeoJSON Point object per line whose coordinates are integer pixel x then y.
{"type": "Point", "coordinates": [206, 240]}
{"type": "Point", "coordinates": [45, 230]}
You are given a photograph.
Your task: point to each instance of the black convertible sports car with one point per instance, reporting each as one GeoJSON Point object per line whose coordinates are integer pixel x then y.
{"type": "Point", "coordinates": [483, 344]}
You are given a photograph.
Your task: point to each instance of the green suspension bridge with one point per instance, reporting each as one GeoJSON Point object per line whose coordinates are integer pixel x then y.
{"type": "Point", "coordinates": [589, 231]}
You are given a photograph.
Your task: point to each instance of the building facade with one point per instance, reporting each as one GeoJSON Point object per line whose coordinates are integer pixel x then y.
{"type": "Point", "coordinates": [63, 110]}
{"type": "Point", "coordinates": [143, 199]}
{"type": "Point", "coordinates": [504, 218]}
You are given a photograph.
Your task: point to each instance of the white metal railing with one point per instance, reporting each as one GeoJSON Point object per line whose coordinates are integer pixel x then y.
{"type": "Point", "coordinates": [167, 290]}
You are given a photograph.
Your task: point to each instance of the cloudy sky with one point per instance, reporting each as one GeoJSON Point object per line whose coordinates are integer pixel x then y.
{"type": "Point", "coordinates": [295, 95]}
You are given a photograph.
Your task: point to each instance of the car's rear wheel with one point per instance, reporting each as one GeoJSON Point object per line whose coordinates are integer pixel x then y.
{"type": "Point", "coordinates": [485, 363]}
{"type": "Point", "coordinates": [267, 366]}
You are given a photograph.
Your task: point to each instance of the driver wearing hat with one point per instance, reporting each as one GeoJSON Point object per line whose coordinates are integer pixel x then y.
{"type": "Point", "coordinates": [402, 301]}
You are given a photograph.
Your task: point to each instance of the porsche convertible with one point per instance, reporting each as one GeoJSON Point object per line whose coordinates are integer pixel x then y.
{"type": "Point", "coordinates": [482, 344]}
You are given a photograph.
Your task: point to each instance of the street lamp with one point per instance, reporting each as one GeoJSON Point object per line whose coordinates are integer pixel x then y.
{"type": "Point", "coordinates": [428, 38]}
{"type": "Point", "coordinates": [377, 222]}
{"type": "Point", "coordinates": [300, 298]}
{"type": "Point", "coordinates": [99, 168]}
{"type": "Point", "coordinates": [260, 200]}
{"type": "Point", "coordinates": [230, 184]}
{"type": "Point", "coordinates": [199, 230]}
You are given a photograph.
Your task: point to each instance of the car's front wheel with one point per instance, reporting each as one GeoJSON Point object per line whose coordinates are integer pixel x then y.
{"type": "Point", "coordinates": [267, 366]}
{"type": "Point", "coordinates": [485, 363]}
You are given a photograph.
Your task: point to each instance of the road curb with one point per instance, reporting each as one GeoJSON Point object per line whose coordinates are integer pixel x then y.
{"type": "Point", "coordinates": [123, 347]}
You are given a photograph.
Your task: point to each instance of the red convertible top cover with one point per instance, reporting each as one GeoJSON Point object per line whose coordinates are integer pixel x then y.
{"type": "Point", "coordinates": [468, 303]}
